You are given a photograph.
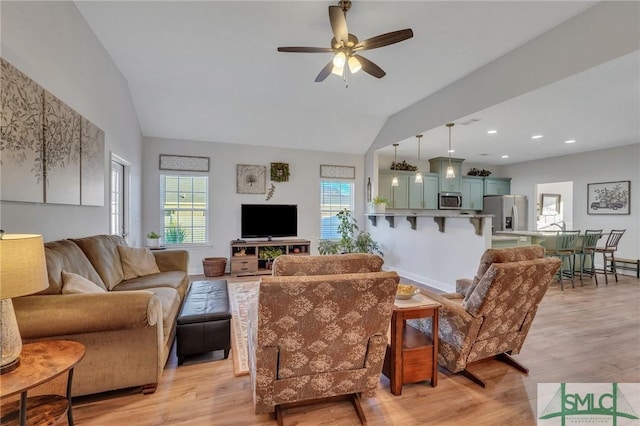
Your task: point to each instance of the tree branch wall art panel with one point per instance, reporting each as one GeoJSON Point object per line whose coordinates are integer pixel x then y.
{"type": "Point", "coordinates": [91, 165]}
{"type": "Point", "coordinates": [62, 152]}
{"type": "Point", "coordinates": [21, 137]}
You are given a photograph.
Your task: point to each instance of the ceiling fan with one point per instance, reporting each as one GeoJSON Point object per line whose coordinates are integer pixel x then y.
{"type": "Point", "coordinates": [346, 46]}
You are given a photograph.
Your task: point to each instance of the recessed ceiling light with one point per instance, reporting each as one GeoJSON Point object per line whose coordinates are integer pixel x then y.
{"type": "Point", "coordinates": [492, 132]}
{"type": "Point", "coordinates": [505, 156]}
{"type": "Point", "coordinates": [536, 136]}
{"type": "Point", "coordinates": [570, 141]}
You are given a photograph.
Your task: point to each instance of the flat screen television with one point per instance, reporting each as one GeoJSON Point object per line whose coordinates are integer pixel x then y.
{"type": "Point", "coordinates": [269, 220]}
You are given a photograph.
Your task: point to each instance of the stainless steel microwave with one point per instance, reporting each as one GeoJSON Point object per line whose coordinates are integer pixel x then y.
{"type": "Point", "coordinates": [449, 200]}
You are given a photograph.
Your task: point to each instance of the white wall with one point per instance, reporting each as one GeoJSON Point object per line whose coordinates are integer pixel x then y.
{"type": "Point", "coordinates": [609, 165]}
{"type": "Point", "coordinates": [51, 43]}
{"type": "Point", "coordinates": [429, 256]}
{"type": "Point", "coordinates": [302, 189]}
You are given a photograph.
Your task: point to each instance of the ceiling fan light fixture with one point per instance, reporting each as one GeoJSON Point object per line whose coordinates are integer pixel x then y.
{"type": "Point", "coordinates": [345, 45]}
{"type": "Point", "coordinates": [354, 65]}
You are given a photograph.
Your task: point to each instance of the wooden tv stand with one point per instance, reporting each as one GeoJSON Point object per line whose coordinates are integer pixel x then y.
{"type": "Point", "coordinates": [245, 260]}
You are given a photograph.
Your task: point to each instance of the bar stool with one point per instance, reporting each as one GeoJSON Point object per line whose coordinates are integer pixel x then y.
{"type": "Point", "coordinates": [608, 252]}
{"type": "Point", "coordinates": [565, 250]}
{"type": "Point", "coordinates": [588, 249]}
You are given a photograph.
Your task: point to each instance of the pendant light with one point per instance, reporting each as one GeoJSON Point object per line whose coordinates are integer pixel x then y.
{"type": "Point", "coordinates": [418, 174]}
{"type": "Point", "coordinates": [394, 180]}
{"type": "Point", "coordinates": [451, 174]}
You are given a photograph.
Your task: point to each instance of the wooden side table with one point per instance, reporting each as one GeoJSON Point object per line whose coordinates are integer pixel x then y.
{"type": "Point", "coordinates": [40, 362]}
{"type": "Point", "coordinates": [411, 356]}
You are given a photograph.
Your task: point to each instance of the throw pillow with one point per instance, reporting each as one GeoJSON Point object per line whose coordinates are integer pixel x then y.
{"type": "Point", "coordinates": [77, 284]}
{"type": "Point", "coordinates": [137, 262]}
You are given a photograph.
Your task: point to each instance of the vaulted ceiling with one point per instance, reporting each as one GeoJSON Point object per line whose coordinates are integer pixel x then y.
{"type": "Point", "coordinates": [209, 70]}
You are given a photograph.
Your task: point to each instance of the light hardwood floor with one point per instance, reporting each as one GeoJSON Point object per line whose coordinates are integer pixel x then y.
{"type": "Point", "coordinates": [586, 334]}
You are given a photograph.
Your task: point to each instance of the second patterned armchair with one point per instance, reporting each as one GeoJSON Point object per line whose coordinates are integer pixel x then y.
{"type": "Point", "coordinates": [315, 337]}
{"type": "Point", "coordinates": [491, 315]}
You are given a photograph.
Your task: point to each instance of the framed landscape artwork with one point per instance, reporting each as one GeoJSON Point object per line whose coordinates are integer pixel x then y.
{"type": "Point", "coordinates": [609, 197]}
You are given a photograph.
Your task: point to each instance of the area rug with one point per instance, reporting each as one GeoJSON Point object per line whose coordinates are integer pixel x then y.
{"type": "Point", "coordinates": [241, 294]}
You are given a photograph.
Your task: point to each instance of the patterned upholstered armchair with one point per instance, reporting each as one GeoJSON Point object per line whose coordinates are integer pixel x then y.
{"type": "Point", "coordinates": [314, 337]}
{"type": "Point", "coordinates": [490, 315]}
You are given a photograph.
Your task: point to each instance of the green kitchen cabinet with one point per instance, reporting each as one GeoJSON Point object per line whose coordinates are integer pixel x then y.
{"type": "Point", "coordinates": [472, 192]}
{"type": "Point", "coordinates": [439, 166]}
{"type": "Point", "coordinates": [430, 185]}
{"type": "Point", "coordinates": [398, 196]}
{"type": "Point", "coordinates": [497, 186]}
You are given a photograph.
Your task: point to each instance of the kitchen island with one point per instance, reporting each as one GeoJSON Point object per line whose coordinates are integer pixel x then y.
{"type": "Point", "coordinates": [547, 239]}
{"type": "Point", "coordinates": [432, 247]}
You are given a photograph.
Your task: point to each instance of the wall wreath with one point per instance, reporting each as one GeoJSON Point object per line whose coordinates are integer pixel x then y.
{"type": "Point", "coordinates": [280, 172]}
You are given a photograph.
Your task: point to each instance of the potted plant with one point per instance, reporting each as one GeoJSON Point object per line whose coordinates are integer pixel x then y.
{"type": "Point", "coordinates": [268, 254]}
{"type": "Point", "coordinates": [352, 240]}
{"type": "Point", "coordinates": [378, 205]}
{"type": "Point", "coordinates": [154, 239]}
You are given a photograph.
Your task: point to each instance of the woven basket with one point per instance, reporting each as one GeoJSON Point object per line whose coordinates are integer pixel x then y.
{"type": "Point", "coordinates": [214, 266]}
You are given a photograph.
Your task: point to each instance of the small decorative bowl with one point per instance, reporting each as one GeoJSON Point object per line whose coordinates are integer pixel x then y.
{"type": "Point", "coordinates": [406, 291]}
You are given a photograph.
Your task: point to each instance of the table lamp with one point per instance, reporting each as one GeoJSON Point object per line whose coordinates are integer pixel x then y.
{"type": "Point", "coordinates": [23, 271]}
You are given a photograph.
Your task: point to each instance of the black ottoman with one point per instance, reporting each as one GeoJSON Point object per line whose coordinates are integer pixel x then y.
{"type": "Point", "coordinates": [204, 323]}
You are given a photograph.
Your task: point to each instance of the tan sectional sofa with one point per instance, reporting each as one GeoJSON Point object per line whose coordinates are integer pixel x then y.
{"type": "Point", "coordinates": [127, 330]}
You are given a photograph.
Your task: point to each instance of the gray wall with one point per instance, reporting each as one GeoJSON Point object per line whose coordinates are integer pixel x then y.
{"type": "Point", "coordinates": [51, 43]}
{"type": "Point", "coordinates": [303, 188]}
{"type": "Point", "coordinates": [609, 165]}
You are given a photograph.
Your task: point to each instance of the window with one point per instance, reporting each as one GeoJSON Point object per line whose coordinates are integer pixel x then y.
{"type": "Point", "coordinates": [334, 196]}
{"type": "Point", "coordinates": [184, 203]}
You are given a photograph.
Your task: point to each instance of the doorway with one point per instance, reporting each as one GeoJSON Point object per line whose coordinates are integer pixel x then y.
{"type": "Point", "coordinates": [119, 203]}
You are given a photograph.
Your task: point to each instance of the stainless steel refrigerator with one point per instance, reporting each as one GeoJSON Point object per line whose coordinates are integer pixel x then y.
{"type": "Point", "coordinates": [510, 211]}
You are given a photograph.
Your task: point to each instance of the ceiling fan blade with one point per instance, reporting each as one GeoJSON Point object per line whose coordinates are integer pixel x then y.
{"type": "Point", "coordinates": [384, 39]}
{"type": "Point", "coordinates": [325, 72]}
{"type": "Point", "coordinates": [305, 49]}
{"type": "Point", "coordinates": [338, 21]}
{"type": "Point", "coordinates": [370, 68]}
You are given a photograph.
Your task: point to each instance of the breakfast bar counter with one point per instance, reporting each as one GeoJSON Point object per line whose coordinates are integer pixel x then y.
{"type": "Point", "coordinates": [431, 247]}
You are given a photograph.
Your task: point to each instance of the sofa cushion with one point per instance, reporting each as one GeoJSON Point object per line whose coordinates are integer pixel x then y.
{"type": "Point", "coordinates": [66, 255]}
{"type": "Point", "coordinates": [137, 262]}
{"type": "Point", "coordinates": [102, 252]}
{"type": "Point", "coordinates": [77, 284]}
{"type": "Point", "coordinates": [177, 280]}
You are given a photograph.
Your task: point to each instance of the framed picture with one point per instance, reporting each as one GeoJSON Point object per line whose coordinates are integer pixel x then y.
{"type": "Point", "coordinates": [251, 179]}
{"type": "Point", "coordinates": [184, 163]}
{"type": "Point", "coordinates": [609, 197]}
{"type": "Point", "coordinates": [338, 172]}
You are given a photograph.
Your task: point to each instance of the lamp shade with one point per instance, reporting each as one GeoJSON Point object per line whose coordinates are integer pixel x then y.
{"type": "Point", "coordinates": [23, 268]}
